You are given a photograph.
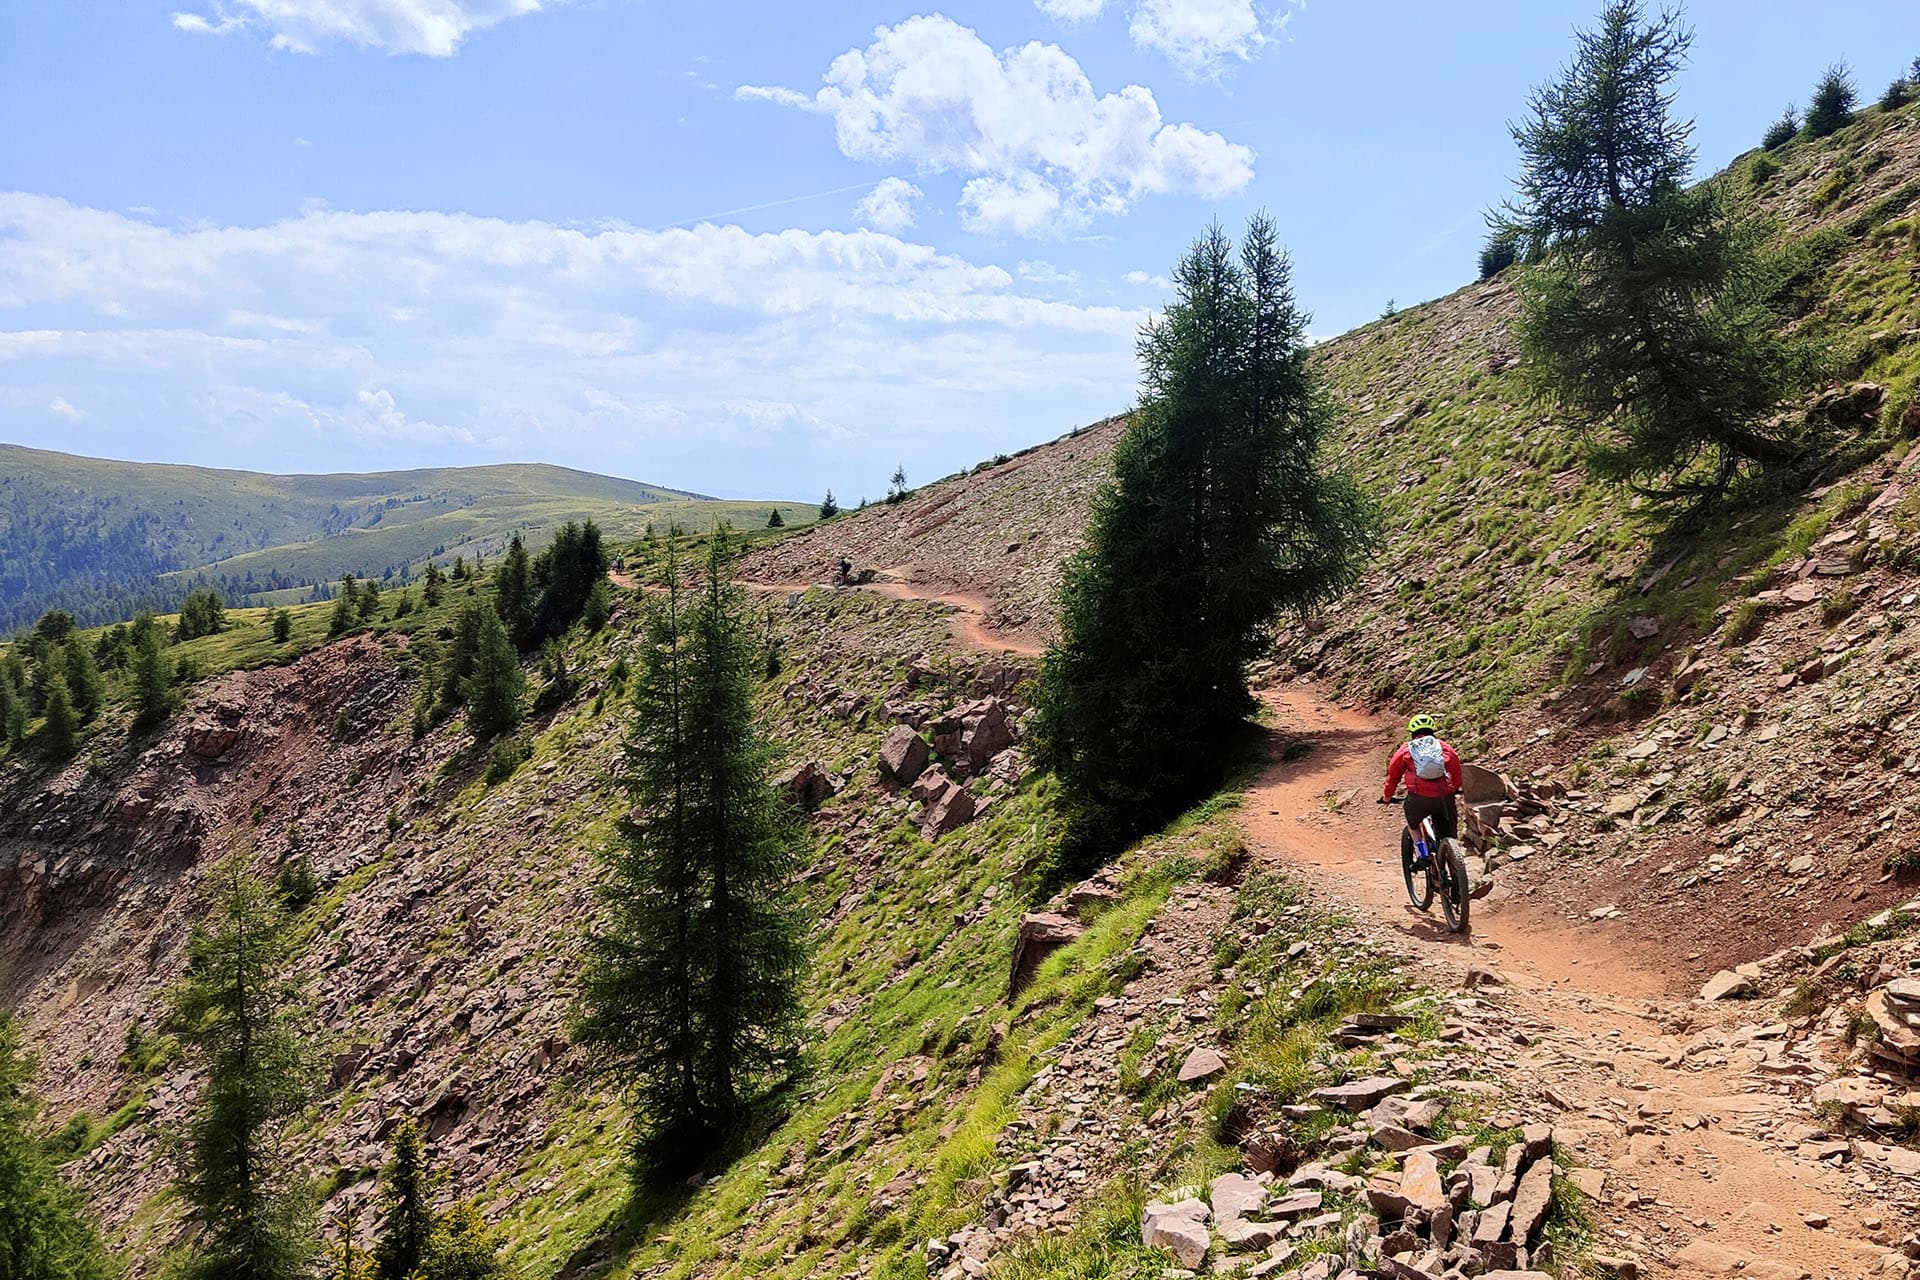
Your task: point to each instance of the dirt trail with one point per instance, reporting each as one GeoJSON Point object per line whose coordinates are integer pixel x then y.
{"type": "Point", "coordinates": [1708, 1173]}
{"type": "Point", "coordinates": [968, 624]}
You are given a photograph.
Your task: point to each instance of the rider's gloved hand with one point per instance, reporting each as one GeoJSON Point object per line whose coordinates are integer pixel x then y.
{"type": "Point", "coordinates": [1383, 800]}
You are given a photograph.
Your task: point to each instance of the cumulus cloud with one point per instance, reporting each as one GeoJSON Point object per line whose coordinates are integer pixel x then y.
{"type": "Point", "coordinates": [1199, 35]}
{"type": "Point", "coordinates": [61, 407]}
{"type": "Point", "coordinates": [431, 27]}
{"type": "Point", "coordinates": [1143, 278]}
{"type": "Point", "coordinates": [1071, 10]}
{"type": "Point", "coordinates": [688, 355]}
{"type": "Point", "coordinates": [1042, 151]}
{"type": "Point", "coordinates": [888, 207]}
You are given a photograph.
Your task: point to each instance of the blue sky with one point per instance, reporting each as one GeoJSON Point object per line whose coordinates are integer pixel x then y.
{"type": "Point", "coordinates": [750, 249]}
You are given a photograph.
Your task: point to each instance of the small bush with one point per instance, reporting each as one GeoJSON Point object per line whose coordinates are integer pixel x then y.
{"type": "Point", "coordinates": [1762, 171]}
{"type": "Point", "coordinates": [1902, 860]}
{"type": "Point", "coordinates": [1833, 102]}
{"type": "Point", "coordinates": [1898, 94]}
{"type": "Point", "coordinates": [282, 626]}
{"type": "Point", "coordinates": [296, 881]}
{"type": "Point", "coordinates": [507, 755]}
{"type": "Point", "coordinates": [1500, 251]}
{"type": "Point", "coordinates": [1838, 606]}
{"type": "Point", "coordinates": [1831, 190]}
{"type": "Point", "coordinates": [1783, 130]}
{"type": "Point", "coordinates": [1897, 415]}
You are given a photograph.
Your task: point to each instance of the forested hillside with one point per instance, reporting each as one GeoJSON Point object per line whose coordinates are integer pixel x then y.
{"type": "Point", "coordinates": [102, 539]}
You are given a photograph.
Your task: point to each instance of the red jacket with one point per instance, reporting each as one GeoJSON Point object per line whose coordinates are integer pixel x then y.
{"type": "Point", "coordinates": [1435, 788]}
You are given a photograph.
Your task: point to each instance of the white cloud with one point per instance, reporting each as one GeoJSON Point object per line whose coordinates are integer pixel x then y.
{"type": "Point", "coordinates": [888, 207]}
{"type": "Point", "coordinates": [1071, 10]}
{"type": "Point", "coordinates": [1199, 35]}
{"type": "Point", "coordinates": [707, 356]}
{"type": "Point", "coordinates": [1143, 278]}
{"type": "Point", "coordinates": [431, 27]}
{"type": "Point", "coordinates": [1043, 153]}
{"type": "Point", "coordinates": [1043, 272]}
{"type": "Point", "coordinates": [61, 407]}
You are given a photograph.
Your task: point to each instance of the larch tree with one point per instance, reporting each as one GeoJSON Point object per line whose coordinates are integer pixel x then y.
{"type": "Point", "coordinates": [44, 1230]}
{"type": "Point", "coordinates": [513, 593]}
{"type": "Point", "coordinates": [689, 996]}
{"type": "Point", "coordinates": [1220, 516]}
{"type": "Point", "coordinates": [151, 671]}
{"type": "Point", "coordinates": [405, 1229]}
{"type": "Point", "coordinates": [495, 692]}
{"type": "Point", "coordinates": [238, 1010]}
{"type": "Point", "coordinates": [1649, 316]}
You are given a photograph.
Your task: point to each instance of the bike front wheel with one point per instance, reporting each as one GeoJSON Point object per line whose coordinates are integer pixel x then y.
{"type": "Point", "coordinates": [1419, 879]}
{"type": "Point", "coordinates": [1455, 894]}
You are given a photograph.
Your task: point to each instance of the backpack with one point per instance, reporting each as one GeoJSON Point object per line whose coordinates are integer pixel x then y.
{"type": "Point", "coordinates": [1429, 757]}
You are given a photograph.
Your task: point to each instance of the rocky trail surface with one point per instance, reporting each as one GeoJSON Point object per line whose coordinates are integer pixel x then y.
{"type": "Point", "coordinates": [1702, 1153]}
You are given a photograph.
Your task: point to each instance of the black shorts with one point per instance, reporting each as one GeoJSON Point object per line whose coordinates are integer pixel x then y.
{"type": "Point", "coordinates": [1444, 810]}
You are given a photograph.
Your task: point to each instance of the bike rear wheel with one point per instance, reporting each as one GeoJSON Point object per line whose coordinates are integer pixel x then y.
{"type": "Point", "coordinates": [1454, 891]}
{"type": "Point", "coordinates": [1419, 879]}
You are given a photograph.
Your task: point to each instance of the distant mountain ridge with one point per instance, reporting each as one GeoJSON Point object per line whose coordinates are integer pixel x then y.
{"type": "Point", "coordinates": [103, 538]}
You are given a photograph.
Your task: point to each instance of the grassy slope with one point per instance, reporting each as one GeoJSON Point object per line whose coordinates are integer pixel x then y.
{"type": "Point", "coordinates": [1507, 572]}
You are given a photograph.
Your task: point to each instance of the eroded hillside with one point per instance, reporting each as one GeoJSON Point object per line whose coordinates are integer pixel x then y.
{"type": "Point", "coordinates": [1707, 743]}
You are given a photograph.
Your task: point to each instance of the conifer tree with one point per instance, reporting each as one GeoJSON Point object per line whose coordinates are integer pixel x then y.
{"type": "Point", "coordinates": [1650, 318]}
{"type": "Point", "coordinates": [461, 651]}
{"type": "Point", "coordinates": [513, 593]}
{"type": "Point", "coordinates": [369, 607]}
{"type": "Point", "coordinates": [237, 1009]}
{"type": "Point", "coordinates": [599, 605]}
{"type": "Point", "coordinates": [13, 715]}
{"type": "Point", "coordinates": [203, 613]}
{"type": "Point", "coordinates": [406, 1207]}
{"type": "Point", "coordinates": [689, 994]}
{"type": "Point", "coordinates": [463, 1247]}
{"type": "Point", "coordinates": [44, 1233]}
{"type": "Point", "coordinates": [433, 585]}
{"type": "Point", "coordinates": [282, 626]}
{"type": "Point", "coordinates": [1218, 517]}
{"type": "Point", "coordinates": [346, 607]}
{"type": "Point", "coordinates": [569, 571]}
{"type": "Point", "coordinates": [84, 683]}
{"type": "Point", "coordinates": [828, 507]}
{"type": "Point", "coordinates": [152, 673]}
{"type": "Point", "coordinates": [59, 731]}
{"type": "Point", "coordinates": [1833, 100]}
{"type": "Point", "coordinates": [496, 689]}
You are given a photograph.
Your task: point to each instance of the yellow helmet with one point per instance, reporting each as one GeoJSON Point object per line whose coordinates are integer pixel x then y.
{"type": "Point", "coordinates": [1422, 723]}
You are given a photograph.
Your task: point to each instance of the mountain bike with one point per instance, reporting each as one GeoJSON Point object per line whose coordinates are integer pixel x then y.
{"type": "Point", "coordinates": [1444, 876]}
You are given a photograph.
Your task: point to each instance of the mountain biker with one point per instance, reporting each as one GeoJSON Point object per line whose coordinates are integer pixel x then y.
{"type": "Point", "coordinates": [1431, 769]}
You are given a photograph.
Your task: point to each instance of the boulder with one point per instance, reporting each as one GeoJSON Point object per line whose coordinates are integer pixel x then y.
{"type": "Point", "coordinates": [1359, 1095]}
{"type": "Point", "coordinates": [807, 784]}
{"type": "Point", "coordinates": [1481, 785]}
{"type": "Point", "coordinates": [930, 785]}
{"type": "Point", "coordinates": [1530, 1202]}
{"type": "Point", "coordinates": [1181, 1229]}
{"type": "Point", "coordinates": [1238, 1234]}
{"type": "Point", "coordinates": [953, 808]}
{"type": "Point", "coordinates": [1728, 985]}
{"type": "Point", "coordinates": [972, 734]}
{"type": "Point", "coordinates": [1235, 1195]}
{"type": "Point", "coordinates": [1041, 934]}
{"type": "Point", "coordinates": [1420, 1181]}
{"type": "Point", "coordinates": [903, 754]}
{"type": "Point", "coordinates": [211, 739]}
{"type": "Point", "coordinates": [1202, 1064]}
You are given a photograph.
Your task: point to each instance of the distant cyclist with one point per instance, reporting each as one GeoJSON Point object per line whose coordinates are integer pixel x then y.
{"type": "Point", "coordinates": [1431, 769]}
